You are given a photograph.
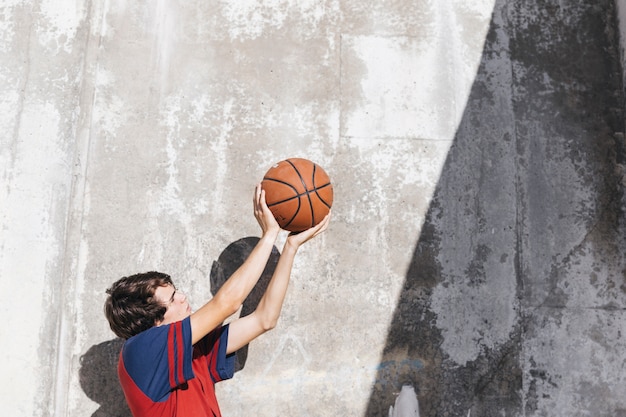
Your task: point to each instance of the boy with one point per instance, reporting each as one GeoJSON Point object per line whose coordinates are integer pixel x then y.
{"type": "Point", "coordinates": [172, 356]}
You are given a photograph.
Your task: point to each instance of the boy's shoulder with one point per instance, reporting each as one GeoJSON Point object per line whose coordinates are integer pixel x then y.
{"type": "Point", "coordinates": [154, 341]}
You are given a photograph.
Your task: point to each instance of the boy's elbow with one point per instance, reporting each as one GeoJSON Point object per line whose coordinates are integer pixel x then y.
{"type": "Point", "coordinates": [233, 308]}
{"type": "Point", "coordinates": [271, 325]}
{"type": "Point", "coordinates": [268, 324]}
{"type": "Point", "coordinates": [227, 304]}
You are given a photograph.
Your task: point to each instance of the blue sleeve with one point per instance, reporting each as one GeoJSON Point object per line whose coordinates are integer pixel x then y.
{"type": "Point", "coordinates": [159, 358]}
{"type": "Point", "coordinates": [214, 345]}
{"type": "Point", "coordinates": [225, 363]}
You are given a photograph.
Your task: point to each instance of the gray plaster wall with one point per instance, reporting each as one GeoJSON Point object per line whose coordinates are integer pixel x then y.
{"type": "Point", "coordinates": [476, 250]}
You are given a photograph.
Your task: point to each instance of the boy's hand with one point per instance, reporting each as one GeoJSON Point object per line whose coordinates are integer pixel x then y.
{"type": "Point", "coordinates": [263, 214]}
{"type": "Point", "coordinates": [297, 239]}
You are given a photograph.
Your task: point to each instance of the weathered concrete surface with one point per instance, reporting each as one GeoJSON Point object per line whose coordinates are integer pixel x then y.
{"type": "Point", "coordinates": [513, 304]}
{"type": "Point", "coordinates": [41, 60]}
{"type": "Point", "coordinates": [476, 249]}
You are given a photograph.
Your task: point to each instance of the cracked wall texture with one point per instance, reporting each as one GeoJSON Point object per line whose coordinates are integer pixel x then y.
{"type": "Point", "coordinates": [476, 150]}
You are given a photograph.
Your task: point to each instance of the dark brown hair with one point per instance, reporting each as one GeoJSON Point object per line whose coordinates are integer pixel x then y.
{"type": "Point", "coordinates": [131, 307]}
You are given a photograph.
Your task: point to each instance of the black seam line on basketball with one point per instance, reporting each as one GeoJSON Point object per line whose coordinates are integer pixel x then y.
{"type": "Point", "coordinates": [294, 188]}
{"type": "Point", "coordinates": [281, 182]}
{"type": "Point", "coordinates": [305, 189]}
{"type": "Point", "coordinates": [309, 195]}
{"type": "Point", "coordinates": [284, 201]}
{"type": "Point", "coordinates": [320, 198]}
{"type": "Point", "coordinates": [294, 216]}
{"type": "Point", "coordinates": [288, 199]}
{"type": "Point", "coordinates": [298, 195]}
{"type": "Point", "coordinates": [318, 194]}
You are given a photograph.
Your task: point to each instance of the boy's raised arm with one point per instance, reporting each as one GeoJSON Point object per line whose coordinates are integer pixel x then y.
{"type": "Point", "coordinates": [266, 315]}
{"type": "Point", "coordinates": [235, 290]}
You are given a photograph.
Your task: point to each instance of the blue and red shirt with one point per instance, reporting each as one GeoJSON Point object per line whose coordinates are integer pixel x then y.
{"type": "Point", "coordinates": [164, 375]}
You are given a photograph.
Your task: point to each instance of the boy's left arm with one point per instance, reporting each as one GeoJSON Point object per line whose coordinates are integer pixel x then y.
{"type": "Point", "coordinates": [265, 316]}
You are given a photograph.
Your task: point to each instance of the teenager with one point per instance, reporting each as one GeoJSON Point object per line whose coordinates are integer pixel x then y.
{"type": "Point", "coordinates": [173, 356]}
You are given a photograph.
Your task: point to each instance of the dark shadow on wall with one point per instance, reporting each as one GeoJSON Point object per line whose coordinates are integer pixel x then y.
{"type": "Point", "coordinates": [98, 379]}
{"type": "Point", "coordinates": [228, 262]}
{"type": "Point", "coordinates": [474, 196]}
{"type": "Point", "coordinates": [98, 366]}
{"type": "Point", "coordinates": [539, 125]}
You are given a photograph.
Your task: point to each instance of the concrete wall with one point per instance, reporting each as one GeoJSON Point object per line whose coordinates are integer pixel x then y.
{"type": "Point", "coordinates": [620, 7]}
{"type": "Point", "coordinates": [476, 249]}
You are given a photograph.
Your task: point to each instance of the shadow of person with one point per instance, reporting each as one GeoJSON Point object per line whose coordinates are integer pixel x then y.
{"type": "Point", "coordinates": [227, 263]}
{"type": "Point", "coordinates": [99, 381]}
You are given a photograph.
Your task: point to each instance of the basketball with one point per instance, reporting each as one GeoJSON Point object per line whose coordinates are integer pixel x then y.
{"type": "Point", "coordinates": [298, 192]}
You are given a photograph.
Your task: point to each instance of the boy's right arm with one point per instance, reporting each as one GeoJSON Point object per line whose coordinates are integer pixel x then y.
{"type": "Point", "coordinates": [235, 290]}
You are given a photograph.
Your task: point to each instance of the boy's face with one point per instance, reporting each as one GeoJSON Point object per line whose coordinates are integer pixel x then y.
{"type": "Point", "coordinates": [176, 302]}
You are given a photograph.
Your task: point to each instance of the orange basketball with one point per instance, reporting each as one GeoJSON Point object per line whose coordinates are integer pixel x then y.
{"type": "Point", "coordinates": [298, 192]}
